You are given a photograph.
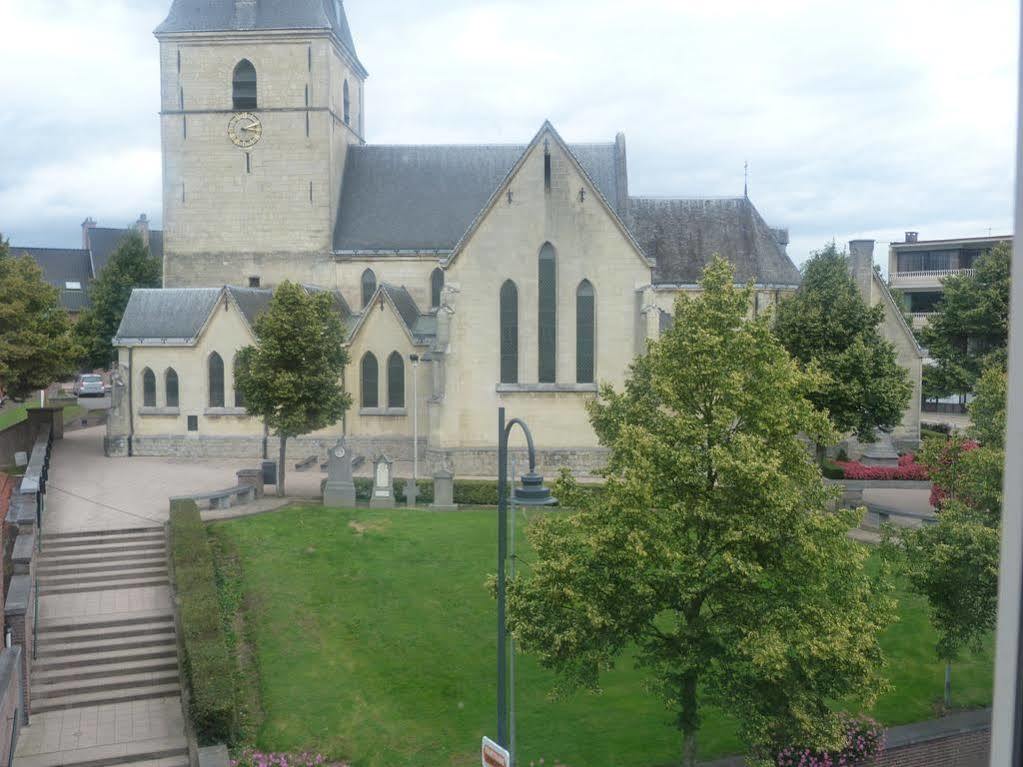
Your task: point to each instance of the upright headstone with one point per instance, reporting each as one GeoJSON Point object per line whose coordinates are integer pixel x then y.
{"type": "Point", "coordinates": [339, 492]}
{"type": "Point", "coordinates": [383, 486]}
{"type": "Point", "coordinates": [411, 492]}
{"type": "Point", "coordinates": [444, 491]}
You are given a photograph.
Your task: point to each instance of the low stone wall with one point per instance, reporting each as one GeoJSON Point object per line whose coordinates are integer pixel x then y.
{"type": "Point", "coordinates": [11, 705]}
{"type": "Point", "coordinates": [15, 439]}
{"type": "Point", "coordinates": [961, 740]}
{"type": "Point", "coordinates": [482, 462]}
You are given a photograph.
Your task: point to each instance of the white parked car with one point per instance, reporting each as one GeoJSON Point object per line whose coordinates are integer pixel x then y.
{"type": "Point", "coordinates": [90, 385]}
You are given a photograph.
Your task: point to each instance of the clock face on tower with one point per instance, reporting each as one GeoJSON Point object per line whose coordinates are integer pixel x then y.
{"type": "Point", "coordinates": [244, 130]}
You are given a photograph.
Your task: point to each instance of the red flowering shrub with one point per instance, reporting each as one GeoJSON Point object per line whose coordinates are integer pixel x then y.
{"type": "Point", "coordinates": [865, 742]}
{"type": "Point", "coordinates": [908, 470]}
{"type": "Point", "coordinates": [950, 452]}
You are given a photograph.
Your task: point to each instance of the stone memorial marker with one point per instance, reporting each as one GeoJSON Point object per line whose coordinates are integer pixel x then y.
{"type": "Point", "coordinates": [339, 492]}
{"type": "Point", "coordinates": [383, 487]}
{"type": "Point", "coordinates": [411, 492]}
{"type": "Point", "coordinates": [444, 491]}
{"type": "Point", "coordinates": [21, 459]}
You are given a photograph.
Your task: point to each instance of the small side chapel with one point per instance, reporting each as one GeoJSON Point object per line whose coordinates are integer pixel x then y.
{"type": "Point", "coordinates": [468, 276]}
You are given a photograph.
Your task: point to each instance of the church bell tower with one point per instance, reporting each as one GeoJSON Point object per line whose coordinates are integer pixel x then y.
{"type": "Point", "coordinates": [260, 101]}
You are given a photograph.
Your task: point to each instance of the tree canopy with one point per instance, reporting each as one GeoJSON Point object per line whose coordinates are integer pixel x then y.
{"type": "Point", "coordinates": [36, 346]}
{"type": "Point", "coordinates": [969, 331]}
{"type": "Point", "coordinates": [130, 266]}
{"type": "Point", "coordinates": [712, 550]}
{"type": "Point", "coordinates": [827, 324]}
{"type": "Point", "coordinates": [292, 377]}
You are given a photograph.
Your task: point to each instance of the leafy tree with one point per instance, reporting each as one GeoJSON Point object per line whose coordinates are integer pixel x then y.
{"type": "Point", "coordinates": [954, 564]}
{"type": "Point", "coordinates": [36, 347]}
{"type": "Point", "coordinates": [712, 550]}
{"type": "Point", "coordinates": [828, 324]}
{"type": "Point", "coordinates": [130, 266]}
{"type": "Point", "coordinates": [292, 378]}
{"type": "Point", "coordinates": [970, 329]}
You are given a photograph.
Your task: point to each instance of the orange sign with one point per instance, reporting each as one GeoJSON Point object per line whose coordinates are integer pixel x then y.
{"type": "Point", "coordinates": [494, 755]}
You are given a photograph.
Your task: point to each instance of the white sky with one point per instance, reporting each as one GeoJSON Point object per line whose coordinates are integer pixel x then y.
{"type": "Point", "coordinates": [859, 118]}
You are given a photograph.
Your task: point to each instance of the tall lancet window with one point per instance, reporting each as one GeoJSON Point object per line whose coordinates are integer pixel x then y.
{"type": "Point", "coordinates": [547, 319]}
{"type": "Point", "coordinates": [244, 86]}
{"type": "Point", "coordinates": [509, 333]}
{"type": "Point", "coordinates": [584, 332]}
{"type": "Point", "coordinates": [347, 96]}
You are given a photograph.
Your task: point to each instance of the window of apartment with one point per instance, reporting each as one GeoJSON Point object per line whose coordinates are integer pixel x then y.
{"type": "Point", "coordinates": [928, 260]}
{"type": "Point", "coordinates": [923, 302]}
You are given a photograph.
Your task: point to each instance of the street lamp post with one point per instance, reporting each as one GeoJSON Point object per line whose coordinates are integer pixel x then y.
{"type": "Point", "coordinates": [531, 493]}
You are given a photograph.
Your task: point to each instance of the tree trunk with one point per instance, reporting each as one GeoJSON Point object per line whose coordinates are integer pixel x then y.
{"type": "Point", "coordinates": [281, 464]}
{"type": "Point", "coordinates": [822, 453]}
{"type": "Point", "coordinates": [948, 684]}
{"type": "Point", "coordinates": [689, 749]}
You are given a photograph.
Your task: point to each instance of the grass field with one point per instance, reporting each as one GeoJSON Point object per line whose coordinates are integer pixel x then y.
{"type": "Point", "coordinates": [373, 635]}
{"type": "Point", "coordinates": [18, 414]}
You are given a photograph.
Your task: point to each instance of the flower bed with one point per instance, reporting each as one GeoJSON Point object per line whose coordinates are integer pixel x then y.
{"type": "Point", "coordinates": [865, 742]}
{"type": "Point", "coordinates": [251, 758]}
{"type": "Point", "coordinates": [907, 470]}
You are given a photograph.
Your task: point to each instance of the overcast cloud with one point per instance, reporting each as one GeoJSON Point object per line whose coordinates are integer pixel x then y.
{"type": "Point", "coordinates": [859, 119]}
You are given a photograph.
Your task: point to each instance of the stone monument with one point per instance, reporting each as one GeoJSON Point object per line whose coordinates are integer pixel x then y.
{"type": "Point", "coordinates": [881, 452]}
{"type": "Point", "coordinates": [383, 486]}
{"type": "Point", "coordinates": [444, 491]}
{"type": "Point", "coordinates": [411, 492]}
{"type": "Point", "coordinates": [339, 492]}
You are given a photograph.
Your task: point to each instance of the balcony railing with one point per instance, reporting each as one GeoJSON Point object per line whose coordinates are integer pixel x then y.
{"type": "Point", "coordinates": [932, 273]}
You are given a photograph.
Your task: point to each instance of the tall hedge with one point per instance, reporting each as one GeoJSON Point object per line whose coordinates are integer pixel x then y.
{"type": "Point", "coordinates": [208, 665]}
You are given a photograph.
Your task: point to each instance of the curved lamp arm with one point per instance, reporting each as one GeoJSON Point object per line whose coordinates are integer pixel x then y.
{"type": "Point", "coordinates": [529, 440]}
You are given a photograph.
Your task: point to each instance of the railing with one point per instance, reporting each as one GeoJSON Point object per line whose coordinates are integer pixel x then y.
{"type": "Point", "coordinates": [900, 276]}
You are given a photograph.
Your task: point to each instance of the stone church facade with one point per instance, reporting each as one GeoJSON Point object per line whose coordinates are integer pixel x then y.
{"type": "Point", "coordinates": [468, 276]}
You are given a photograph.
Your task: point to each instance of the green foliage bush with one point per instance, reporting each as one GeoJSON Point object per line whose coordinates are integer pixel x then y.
{"type": "Point", "coordinates": [208, 666]}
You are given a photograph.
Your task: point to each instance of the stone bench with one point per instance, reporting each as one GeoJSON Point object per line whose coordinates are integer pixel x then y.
{"type": "Point", "coordinates": [879, 515]}
{"type": "Point", "coordinates": [222, 499]}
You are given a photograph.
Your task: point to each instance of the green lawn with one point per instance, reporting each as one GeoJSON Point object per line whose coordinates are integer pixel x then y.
{"type": "Point", "coordinates": [373, 633]}
{"type": "Point", "coordinates": [18, 414]}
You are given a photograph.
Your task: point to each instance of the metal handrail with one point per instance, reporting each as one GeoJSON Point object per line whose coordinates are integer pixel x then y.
{"type": "Point", "coordinates": [896, 276]}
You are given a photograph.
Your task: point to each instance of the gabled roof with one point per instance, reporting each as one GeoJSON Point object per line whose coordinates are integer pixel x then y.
{"type": "Point", "coordinates": [420, 328]}
{"type": "Point", "coordinates": [62, 266]}
{"type": "Point", "coordinates": [683, 235]}
{"type": "Point", "coordinates": [164, 316]}
{"type": "Point", "coordinates": [225, 16]}
{"type": "Point", "coordinates": [424, 198]}
{"type": "Point", "coordinates": [103, 241]}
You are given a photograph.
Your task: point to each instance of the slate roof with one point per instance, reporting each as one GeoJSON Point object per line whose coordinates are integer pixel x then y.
{"type": "Point", "coordinates": [175, 314]}
{"type": "Point", "coordinates": [682, 235]}
{"type": "Point", "coordinates": [252, 301]}
{"type": "Point", "coordinates": [421, 198]}
{"type": "Point", "coordinates": [61, 266]}
{"type": "Point", "coordinates": [222, 16]}
{"type": "Point", "coordinates": [103, 241]}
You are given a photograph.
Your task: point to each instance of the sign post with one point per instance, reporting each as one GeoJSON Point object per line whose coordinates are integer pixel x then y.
{"type": "Point", "coordinates": [494, 755]}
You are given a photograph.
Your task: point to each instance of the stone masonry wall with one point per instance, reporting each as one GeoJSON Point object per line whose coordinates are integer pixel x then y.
{"type": "Point", "coordinates": [969, 749]}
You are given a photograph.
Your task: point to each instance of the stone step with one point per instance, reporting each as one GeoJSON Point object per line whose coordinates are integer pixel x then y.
{"type": "Point", "coordinates": [100, 533]}
{"type": "Point", "coordinates": [46, 564]}
{"type": "Point", "coordinates": [122, 565]}
{"type": "Point", "coordinates": [43, 691]}
{"type": "Point", "coordinates": [123, 754]}
{"type": "Point", "coordinates": [106, 697]}
{"type": "Point", "coordinates": [103, 644]}
{"type": "Point", "coordinates": [156, 570]}
{"type": "Point", "coordinates": [118, 632]}
{"type": "Point", "coordinates": [113, 548]}
{"type": "Point", "coordinates": [139, 583]}
{"type": "Point", "coordinates": [121, 655]}
{"type": "Point", "coordinates": [130, 619]}
{"type": "Point", "coordinates": [103, 671]}
{"type": "Point", "coordinates": [71, 544]}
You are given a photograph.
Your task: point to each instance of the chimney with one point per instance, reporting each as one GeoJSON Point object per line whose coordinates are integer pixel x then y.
{"type": "Point", "coordinates": [622, 172]}
{"type": "Point", "coordinates": [912, 236]}
{"type": "Point", "coordinates": [87, 225]}
{"type": "Point", "coordinates": [861, 264]}
{"type": "Point", "coordinates": [142, 227]}
{"type": "Point", "coordinates": [781, 236]}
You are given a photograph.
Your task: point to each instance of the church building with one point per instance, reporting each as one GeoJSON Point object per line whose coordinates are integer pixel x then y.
{"type": "Point", "coordinates": [468, 276]}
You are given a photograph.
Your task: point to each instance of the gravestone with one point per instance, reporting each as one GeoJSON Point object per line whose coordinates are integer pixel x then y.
{"type": "Point", "coordinates": [411, 492]}
{"type": "Point", "coordinates": [444, 491]}
{"type": "Point", "coordinates": [383, 485]}
{"type": "Point", "coordinates": [339, 492]}
{"type": "Point", "coordinates": [21, 459]}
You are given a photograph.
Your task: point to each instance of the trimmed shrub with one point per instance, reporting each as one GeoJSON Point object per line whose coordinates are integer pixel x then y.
{"type": "Point", "coordinates": [907, 470]}
{"type": "Point", "coordinates": [209, 668]}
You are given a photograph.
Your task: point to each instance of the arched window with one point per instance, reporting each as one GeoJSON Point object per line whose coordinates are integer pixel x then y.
{"type": "Point", "coordinates": [369, 287]}
{"type": "Point", "coordinates": [509, 333]}
{"type": "Point", "coordinates": [171, 383]}
{"type": "Point", "coordinates": [585, 316]}
{"type": "Point", "coordinates": [148, 388]}
{"type": "Point", "coordinates": [216, 375]}
{"type": "Point", "coordinates": [547, 320]}
{"type": "Point", "coordinates": [347, 104]}
{"type": "Point", "coordinates": [239, 397]}
{"type": "Point", "coordinates": [369, 379]}
{"type": "Point", "coordinates": [436, 286]}
{"type": "Point", "coordinates": [395, 380]}
{"type": "Point", "coordinates": [244, 86]}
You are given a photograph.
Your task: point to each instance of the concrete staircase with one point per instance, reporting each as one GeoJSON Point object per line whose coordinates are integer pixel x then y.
{"type": "Point", "coordinates": [105, 659]}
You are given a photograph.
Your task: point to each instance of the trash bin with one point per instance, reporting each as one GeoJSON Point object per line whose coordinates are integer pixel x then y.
{"type": "Point", "coordinates": [269, 472]}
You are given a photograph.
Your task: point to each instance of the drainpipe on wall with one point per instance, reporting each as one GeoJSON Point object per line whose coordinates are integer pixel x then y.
{"type": "Point", "coordinates": [131, 401]}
